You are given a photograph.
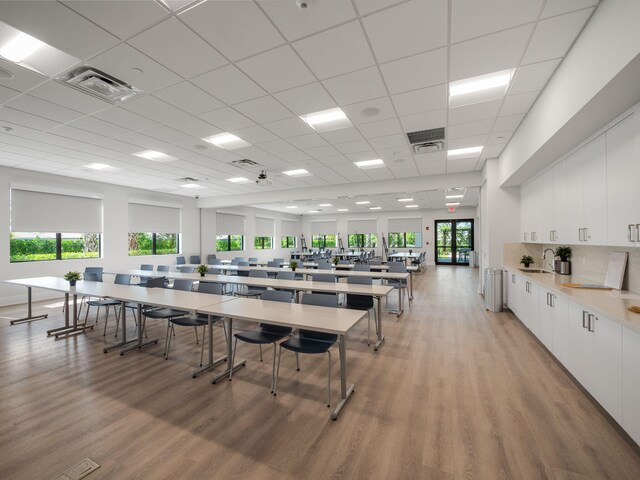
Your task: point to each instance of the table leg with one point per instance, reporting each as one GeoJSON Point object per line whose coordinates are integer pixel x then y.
{"type": "Point", "coordinates": [139, 344]}
{"type": "Point", "coordinates": [211, 363]}
{"type": "Point", "coordinates": [379, 321]}
{"type": "Point", "coordinates": [345, 393]}
{"type": "Point", "coordinates": [70, 329]}
{"type": "Point", "coordinates": [29, 317]}
{"type": "Point", "coordinates": [230, 368]}
{"type": "Point", "coordinates": [410, 287]}
{"type": "Point", "coordinates": [123, 314]}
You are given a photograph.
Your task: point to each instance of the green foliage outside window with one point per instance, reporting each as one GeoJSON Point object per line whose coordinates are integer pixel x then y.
{"type": "Point", "coordinates": [141, 243]}
{"type": "Point", "coordinates": [405, 240]}
{"type": "Point", "coordinates": [29, 247]}
{"type": "Point", "coordinates": [262, 243]}
{"type": "Point", "coordinates": [362, 240]}
{"type": "Point", "coordinates": [323, 241]}
{"type": "Point", "coordinates": [288, 242]}
{"type": "Point", "coordinates": [228, 243]}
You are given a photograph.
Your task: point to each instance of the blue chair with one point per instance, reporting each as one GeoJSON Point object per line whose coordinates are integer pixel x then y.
{"type": "Point", "coordinates": [286, 275]}
{"type": "Point", "coordinates": [324, 277]}
{"type": "Point", "coordinates": [324, 265]}
{"type": "Point", "coordinates": [265, 333]}
{"type": "Point", "coordinates": [146, 267]}
{"type": "Point", "coordinates": [362, 302]}
{"type": "Point", "coordinates": [253, 261]}
{"type": "Point", "coordinates": [398, 267]}
{"type": "Point", "coordinates": [166, 313]}
{"type": "Point", "coordinates": [310, 341]}
{"type": "Point", "coordinates": [163, 268]}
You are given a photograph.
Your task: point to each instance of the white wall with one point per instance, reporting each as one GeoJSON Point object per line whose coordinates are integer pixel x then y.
{"type": "Point", "coordinates": [115, 231]}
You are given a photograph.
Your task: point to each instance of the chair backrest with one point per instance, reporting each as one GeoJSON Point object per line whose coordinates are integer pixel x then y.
{"type": "Point", "coordinates": [320, 300]}
{"type": "Point", "coordinates": [182, 284]}
{"type": "Point", "coordinates": [235, 261]}
{"type": "Point", "coordinates": [213, 288]}
{"type": "Point", "coordinates": [122, 279]}
{"type": "Point", "coordinates": [361, 267]}
{"type": "Point", "coordinates": [215, 261]}
{"type": "Point", "coordinates": [343, 262]}
{"type": "Point", "coordinates": [286, 275]}
{"type": "Point", "coordinates": [277, 296]}
{"type": "Point", "coordinates": [91, 277]}
{"type": "Point", "coordinates": [180, 260]}
{"type": "Point", "coordinates": [163, 268]}
{"type": "Point", "coordinates": [240, 259]}
{"type": "Point", "coordinates": [279, 260]}
{"type": "Point", "coordinates": [375, 262]}
{"type": "Point", "coordinates": [253, 259]}
{"type": "Point", "coordinates": [324, 277]}
{"type": "Point", "coordinates": [146, 267]}
{"type": "Point", "coordinates": [157, 282]}
{"type": "Point", "coordinates": [258, 274]}
{"type": "Point", "coordinates": [194, 259]}
{"type": "Point", "coordinates": [96, 270]}
{"type": "Point", "coordinates": [242, 263]}
{"type": "Point", "coordinates": [213, 271]}
{"type": "Point", "coordinates": [324, 265]}
{"type": "Point", "coordinates": [187, 269]}
{"type": "Point", "coordinates": [211, 258]}
{"type": "Point", "coordinates": [360, 280]}
{"type": "Point", "coordinates": [273, 263]}
{"type": "Point", "coordinates": [397, 267]}
{"type": "Point", "coordinates": [357, 300]}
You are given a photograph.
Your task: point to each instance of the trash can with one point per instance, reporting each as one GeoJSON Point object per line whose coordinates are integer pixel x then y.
{"type": "Point", "coordinates": [493, 289]}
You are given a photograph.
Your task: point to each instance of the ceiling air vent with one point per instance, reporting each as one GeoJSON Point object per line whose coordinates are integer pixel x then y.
{"type": "Point", "coordinates": [245, 162]}
{"type": "Point", "coordinates": [99, 84]}
{"type": "Point", "coordinates": [188, 180]}
{"type": "Point", "coordinates": [427, 141]}
{"type": "Point", "coordinates": [428, 147]}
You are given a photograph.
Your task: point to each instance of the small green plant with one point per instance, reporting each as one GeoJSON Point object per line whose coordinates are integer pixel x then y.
{"type": "Point", "coordinates": [72, 277]}
{"type": "Point", "coordinates": [202, 269]}
{"type": "Point", "coordinates": [293, 264]}
{"type": "Point", "coordinates": [564, 252]}
{"type": "Point", "coordinates": [527, 260]}
{"type": "Point", "coordinates": [336, 260]}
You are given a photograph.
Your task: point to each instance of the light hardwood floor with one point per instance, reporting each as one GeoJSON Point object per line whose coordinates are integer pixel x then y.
{"type": "Point", "coordinates": [454, 392]}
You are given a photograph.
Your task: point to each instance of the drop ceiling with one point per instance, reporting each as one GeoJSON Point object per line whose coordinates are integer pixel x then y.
{"type": "Point", "coordinates": [252, 68]}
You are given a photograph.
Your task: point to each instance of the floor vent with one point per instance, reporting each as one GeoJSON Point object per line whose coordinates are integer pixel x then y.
{"type": "Point", "coordinates": [81, 470]}
{"type": "Point", "coordinates": [99, 84]}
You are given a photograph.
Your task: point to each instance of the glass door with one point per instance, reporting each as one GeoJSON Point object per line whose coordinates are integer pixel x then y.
{"type": "Point", "coordinates": [454, 241]}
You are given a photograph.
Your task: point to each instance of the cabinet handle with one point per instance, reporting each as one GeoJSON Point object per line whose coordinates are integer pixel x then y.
{"type": "Point", "coordinates": [553, 300]}
{"type": "Point", "coordinates": [630, 229]}
{"type": "Point", "coordinates": [591, 326]}
{"type": "Point", "coordinates": [524, 236]}
{"type": "Point", "coordinates": [584, 318]}
{"type": "Point", "coordinates": [513, 278]}
{"type": "Point", "coordinates": [637, 232]}
{"type": "Point", "coordinates": [586, 234]}
{"type": "Point", "coordinates": [579, 234]}
{"type": "Point", "coordinates": [547, 298]}
{"type": "Point", "coordinates": [534, 236]}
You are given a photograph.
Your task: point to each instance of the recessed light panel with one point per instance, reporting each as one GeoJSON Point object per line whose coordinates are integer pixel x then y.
{"type": "Point", "coordinates": [327, 120]}
{"type": "Point", "coordinates": [192, 186]}
{"type": "Point", "coordinates": [228, 141]}
{"type": "Point", "coordinates": [465, 152]}
{"type": "Point", "coordinates": [411, 206]}
{"type": "Point", "coordinates": [482, 88]}
{"type": "Point", "coordinates": [314, 211]}
{"type": "Point", "coordinates": [405, 199]}
{"type": "Point", "coordinates": [155, 156]}
{"type": "Point", "coordinates": [325, 205]}
{"type": "Point", "coordinates": [103, 167]}
{"type": "Point", "coordinates": [238, 180]}
{"type": "Point", "coordinates": [343, 210]}
{"type": "Point", "coordinates": [300, 172]}
{"type": "Point", "coordinates": [291, 206]}
{"type": "Point", "coordinates": [364, 164]}
{"type": "Point", "coordinates": [375, 208]}
{"type": "Point", "coordinates": [363, 202]}
{"type": "Point", "coordinates": [452, 204]}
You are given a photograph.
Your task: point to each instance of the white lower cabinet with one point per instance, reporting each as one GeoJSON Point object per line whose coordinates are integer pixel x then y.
{"type": "Point", "coordinates": [531, 307]}
{"type": "Point", "coordinates": [631, 382]}
{"type": "Point", "coordinates": [515, 291]}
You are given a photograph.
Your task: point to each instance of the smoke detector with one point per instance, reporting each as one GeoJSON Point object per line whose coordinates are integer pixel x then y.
{"type": "Point", "coordinates": [99, 84]}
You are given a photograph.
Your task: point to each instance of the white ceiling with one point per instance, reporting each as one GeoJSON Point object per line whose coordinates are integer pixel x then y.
{"type": "Point", "coordinates": [251, 67]}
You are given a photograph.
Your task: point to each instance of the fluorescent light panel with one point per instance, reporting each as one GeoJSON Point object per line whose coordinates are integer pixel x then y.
{"type": "Point", "coordinates": [327, 120]}
{"type": "Point", "coordinates": [20, 47]}
{"type": "Point", "coordinates": [363, 202]}
{"type": "Point", "coordinates": [101, 167]}
{"type": "Point", "coordinates": [192, 186]}
{"type": "Point", "coordinates": [155, 156]}
{"type": "Point", "coordinates": [343, 210]}
{"type": "Point", "coordinates": [411, 206]}
{"type": "Point", "coordinates": [300, 172]}
{"type": "Point", "coordinates": [478, 89]}
{"type": "Point", "coordinates": [405, 199]}
{"type": "Point", "coordinates": [226, 140]}
{"type": "Point", "coordinates": [465, 152]}
{"type": "Point", "coordinates": [375, 208]}
{"type": "Point", "coordinates": [452, 204]}
{"type": "Point", "coordinates": [325, 205]}
{"type": "Point", "coordinates": [364, 164]}
{"type": "Point", "coordinates": [291, 206]}
{"type": "Point", "coordinates": [238, 180]}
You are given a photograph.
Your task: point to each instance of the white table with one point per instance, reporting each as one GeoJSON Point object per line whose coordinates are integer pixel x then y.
{"type": "Point", "coordinates": [323, 319]}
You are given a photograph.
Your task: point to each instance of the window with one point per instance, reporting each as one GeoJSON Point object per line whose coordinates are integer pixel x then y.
{"type": "Point", "coordinates": [262, 243]}
{"type": "Point", "coordinates": [143, 243]}
{"type": "Point", "coordinates": [36, 246]}
{"type": "Point", "coordinates": [323, 241]}
{"type": "Point", "coordinates": [362, 240]}
{"type": "Point", "coordinates": [228, 243]}
{"type": "Point", "coordinates": [405, 240]}
{"type": "Point", "coordinates": [288, 242]}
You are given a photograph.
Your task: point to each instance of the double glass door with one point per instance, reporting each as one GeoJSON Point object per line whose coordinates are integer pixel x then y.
{"type": "Point", "coordinates": [454, 241]}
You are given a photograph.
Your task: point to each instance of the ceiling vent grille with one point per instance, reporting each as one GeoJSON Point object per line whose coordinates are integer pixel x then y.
{"type": "Point", "coordinates": [188, 180]}
{"type": "Point", "coordinates": [423, 136]}
{"type": "Point", "coordinates": [99, 84]}
{"type": "Point", "coordinates": [428, 147]}
{"type": "Point", "coordinates": [245, 162]}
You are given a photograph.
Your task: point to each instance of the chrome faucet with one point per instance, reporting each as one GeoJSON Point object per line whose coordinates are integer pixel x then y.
{"type": "Point", "coordinates": [544, 257]}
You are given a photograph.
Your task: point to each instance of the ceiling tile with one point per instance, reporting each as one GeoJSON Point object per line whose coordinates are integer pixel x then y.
{"type": "Point", "coordinates": [479, 140]}
{"type": "Point", "coordinates": [156, 109]}
{"type": "Point", "coordinates": [370, 111]}
{"type": "Point", "coordinates": [7, 94]}
{"type": "Point", "coordinates": [339, 50]}
{"type": "Point", "coordinates": [423, 100]}
{"type": "Point", "coordinates": [415, 27]}
{"type": "Point", "coordinates": [22, 118]}
{"type": "Point", "coordinates": [553, 36]}
{"type": "Point", "coordinates": [498, 137]}
{"type": "Point", "coordinates": [367, 6]}
{"type": "Point", "coordinates": [533, 77]}
{"type": "Point", "coordinates": [121, 61]}
{"type": "Point", "coordinates": [342, 136]}
{"type": "Point", "coordinates": [229, 85]}
{"type": "Point", "coordinates": [237, 29]}
{"type": "Point", "coordinates": [42, 108]}
{"type": "Point", "coordinates": [492, 151]}
{"type": "Point", "coordinates": [296, 23]}
{"type": "Point", "coordinates": [390, 141]}
{"type": "Point", "coordinates": [307, 141]}
{"type": "Point", "coordinates": [178, 48]}
{"type": "Point", "coordinates": [289, 127]}
{"type": "Point", "coordinates": [263, 109]}
{"type": "Point", "coordinates": [307, 99]}
{"type": "Point", "coordinates": [461, 165]}
{"type": "Point", "coordinates": [354, 147]}
{"type": "Point", "coordinates": [470, 18]}
{"type": "Point", "coordinates": [488, 54]}
{"type": "Point", "coordinates": [255, 134]}
{"type": "Point", "coordinates": [380, 129]}
{"type": "Point", "coordinates": [227, 119]}
{"type": "Point", "coordinates": [515, 104]}
{"type": "Point", "coordinates": [69, 97]}
{"type": "Point", "coordinates": [558, 7]}
{"type": "Point", "coordinates": [510, 122]}
{"type": "Point", "coordinates": [124, 118]}
{"type": "Point", "coordinates": [482, 127]}
{"type": "Point", "coordinates": [23, 79]}
{"type": "Point", "coordinates": [416, 72]}
{"type": "Point", "coordinates": [92, 124]}
{"type": "Point", "coordinates": [42, 19]}
{"type": "Point", "coordinates": [277, 146]}
{"type": "Point", "coordinates": [322, 152]}
{"type": "Point", "coordinates": [58, 140]}
{"type": "Point", "coordinates": [277, 70]}
{"type": "Point", "coordinates": [356, 87]}
{"type": "Point", "coordinates": [189, 98]}
{"type": "Point", "coordinates": [475, 112]}
{"type": "Point", "coordinates": [424, 121]}
{"type": "Point", "coordinates": [130, 16]}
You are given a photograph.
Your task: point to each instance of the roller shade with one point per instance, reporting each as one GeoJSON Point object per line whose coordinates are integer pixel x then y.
{"type": "Point", "coordinates": [362, 226]}
{"type": "Point", "coordinates": [397, 225]}
{"type": "Point", "coordinates": [324, 227]}
{"type": "Point", "coordinates": [290, 228]}
{"type": "Point", "coordinates": [153, 218]}
{"type": "Point", "coordinates": [265, 227]}
{"type": "Point", "coordinates": [50, 212]}
{"type": "Point", "coordinates": [227, 224]}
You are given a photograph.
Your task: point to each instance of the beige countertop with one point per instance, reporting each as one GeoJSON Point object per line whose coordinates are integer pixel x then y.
{"type": "Point", "coordinates": [609, 303]}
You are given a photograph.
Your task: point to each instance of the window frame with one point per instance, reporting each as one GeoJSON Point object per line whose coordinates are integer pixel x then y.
{"type": "Point", "coordinates": [154, 244]}
{"type": "Point", "coordinates": [323, 243]}
{"type": "Point", "coordinates": [58, 253]}
{"type": "Point", "coordinates": [363, 240]}
{"type": "Point", "coordinates": [262, 243]}
{"type": "Point", "coordinates": [286, 242]}
{"type": "Point", "coordinates": [229, 249]}
{"type": "Point", "coordinates": [403, 237]}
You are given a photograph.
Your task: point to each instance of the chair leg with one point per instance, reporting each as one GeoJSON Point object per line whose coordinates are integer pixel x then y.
{"type": "Point", "coordinates": [297, 362]}
{"type": "Point", "coordinates": [195, 329]}
{"type": "Point", "coordinates": [167, 341]}
{"type": "Point", "coordinates": [204, 331]}
{"type": "Point", "coordinates": [233, 359]}
{"type": "Point", "coordinates": [86, 314]}
{"type": "Point", "coordinates": [273, 368]}
{"type": "Point", "coordinates": [329, 381]}
{"type": "Point", "coordinates": [369, 329]}
{"type": "Point", "coordinates": [118, 313]}
{"type": "Point", "coordinates": [260, 352]}
{"type": "Point", "coordinates": [275, 383]}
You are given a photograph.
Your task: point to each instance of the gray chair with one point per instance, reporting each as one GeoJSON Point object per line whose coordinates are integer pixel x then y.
{"type": "Point", "coordinates": [398, 267]}
{"type": "Point", "coordinates": [324, 265]}
{"type": "Point", "coordinates": [310, 341]}
{"type": "Point", "coordinates": [375, 262]}
{"type": "Point", "coordinates": [165, 313]}
{"type": "Point", "coordinates": [163, 268]}
{"type": "Point", "coordinates": [187, 269]}
{"type": "Point", "coordinates": [180, 260]}
{"type": "Point", "coordinates": [253, 261]}
{"type": "Point", "coordinates": [362, 302]}
{"type": "Point", "coordinates": [121, 279]}
{"type": "Point", "coordinates": [194, 259]}
{"type": "Point", "coordinates": [215, 261]}
{"type": "Point", "coordinates": [211, 258]}
{"type": "Point", "coordinates": [254, 291]}
{"type": "Point", "coordinates": [324, 277]}
{"type": "Point", "coordinates": [362, 267]}
{"type": "Point", "coordinates": [274, 263]}
{"type": "Point", "coordinates": [286, 275]}
{"type": "Point", "coordinates": [147, 267]}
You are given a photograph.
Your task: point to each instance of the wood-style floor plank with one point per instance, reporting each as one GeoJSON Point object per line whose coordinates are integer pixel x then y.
{"type": "Point", "coordinates": [454, 392]}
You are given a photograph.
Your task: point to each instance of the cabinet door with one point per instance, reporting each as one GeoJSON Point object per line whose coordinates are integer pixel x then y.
{"type": "Point", "coordinates": [560, 328]}
{"type": "Point", "coordinates": [580, 351]}
{"type": "Point", "coordinates": [631, 382]}
{"type": "Point", "coordinates": [538, 234]}
{"type": "Point", "coordinates": [575, 205]}
{"type": "Point", "coordinates": [623, 177]}
{"type": "Point", "coordinates": [546, 319]}
{"type": "Point", "coordinates": [595, 191]}
{"type": "Point", "coordinates": [514, 293]}
{"type": "Point", "coordinates": [545, 209]}
{"type": "Point", "coordinates": [606, 378]}
{"type": "Point", "coordinates": [559, 225]}
{"type": "Point", "coordinates": [526, 212]}
{"type": "Point", "coordinates": [532, 309]}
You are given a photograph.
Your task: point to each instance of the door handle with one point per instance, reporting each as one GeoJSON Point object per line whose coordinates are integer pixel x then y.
{"type": "Point", "coordinates": [591, 326]}
{"type": "Point", "coordinates": [637, 232]}
{"type": "Point", "coordinates": [584, 318]}
{"type": "Point", "coordinates": [630, 229]}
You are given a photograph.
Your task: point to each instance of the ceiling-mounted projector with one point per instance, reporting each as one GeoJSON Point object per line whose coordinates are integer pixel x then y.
{"type": "Point", "coordinates": [262, 179]}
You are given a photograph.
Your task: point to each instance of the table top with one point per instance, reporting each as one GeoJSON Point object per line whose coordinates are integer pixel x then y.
{"type": "Point", "coordinates": [404, 255]}
{"type": "Point", "coordinates": [312, 317]}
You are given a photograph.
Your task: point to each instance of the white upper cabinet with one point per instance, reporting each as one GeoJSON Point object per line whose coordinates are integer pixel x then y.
{"type": "Point", "coordinates": [623, 180]}
{"type": "Point", "coordinates": [559, 226]}
{"type": "Point", "coordinates": [594, 174]}
{"type": "Point", "coordinates": [574, 206]}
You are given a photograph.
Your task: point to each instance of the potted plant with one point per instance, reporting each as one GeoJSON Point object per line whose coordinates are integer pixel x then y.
{"type": "Point", "coordinates": [202, 269]}
{"type": "Point", "coordinates": [336, 260]}
{"type": "Point", "coordinates": [564, 252]}
{"type": "Point", "coordinates": [293, 264]}
{"type": "Point", "coordinates": [410, 252]}
{"type": "Point", "coordinates": [527, 260]}
{"type": "Point", "coordinates": [72, 278]}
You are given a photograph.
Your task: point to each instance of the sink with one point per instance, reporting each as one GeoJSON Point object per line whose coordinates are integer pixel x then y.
{"type": "Point", "coordinates": [533, 270]}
